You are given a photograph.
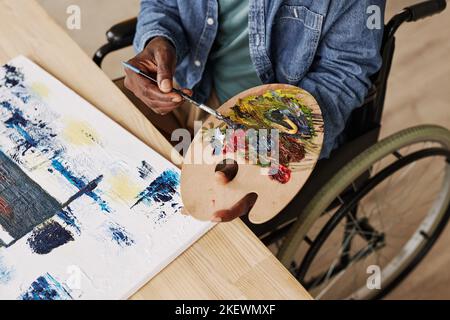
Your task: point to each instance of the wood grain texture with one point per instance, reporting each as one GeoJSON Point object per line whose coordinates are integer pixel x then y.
{"type": "Point", "coordinates": [229, 262]}
{"type": "Point", "coordinates": [203, 199]}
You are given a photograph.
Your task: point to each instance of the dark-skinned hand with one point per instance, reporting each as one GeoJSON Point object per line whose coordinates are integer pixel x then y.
{"type": "Point", "coordinates": [224, 174]}
{"type": "Point", "coordinates": [159, 60]}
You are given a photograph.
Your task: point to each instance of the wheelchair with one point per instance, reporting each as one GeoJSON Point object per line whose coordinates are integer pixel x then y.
{"type": "Point", "coordinates": [374, 208]}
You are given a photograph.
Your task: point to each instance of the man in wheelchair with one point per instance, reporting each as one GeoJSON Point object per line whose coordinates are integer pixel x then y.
{"type": "Point", "coordinates": [216, 49]}
{"type": "Point", "coordinates": [369, 206]}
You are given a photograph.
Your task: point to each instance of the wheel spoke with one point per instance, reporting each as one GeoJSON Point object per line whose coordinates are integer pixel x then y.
{"type": "Point", "coordinates": [335, 279]}
{"type": "Point", "coordinates": [386, 217]}
{"type": "Point", "coordinates": [335, 261]}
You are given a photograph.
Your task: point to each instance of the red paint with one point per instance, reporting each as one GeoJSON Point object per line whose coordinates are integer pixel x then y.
{"type": "Point", "coordinates": [236, 142]}
{"type": "Point", "coordinates": [5, 209]}
{"type": "Point", "coordinates": [283, 175]}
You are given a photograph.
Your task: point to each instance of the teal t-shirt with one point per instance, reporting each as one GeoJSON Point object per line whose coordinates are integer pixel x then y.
{"type": "Point", "coordinates": [233, 69]}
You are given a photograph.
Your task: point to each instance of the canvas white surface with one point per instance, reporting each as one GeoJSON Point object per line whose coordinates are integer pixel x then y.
{"type": "Point", "coordinates": [122, 233]}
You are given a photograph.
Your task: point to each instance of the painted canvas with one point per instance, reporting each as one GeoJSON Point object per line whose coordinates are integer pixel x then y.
{"type": "Point", "coordinates": [87, 211]}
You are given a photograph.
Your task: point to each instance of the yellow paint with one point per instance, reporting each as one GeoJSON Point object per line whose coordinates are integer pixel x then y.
{"type": "Point", "coordinates": [123, 187]}
{"type": "Point", "coordinates": [40, 89]}
{"type": "Point", "coordinates": [80, 133]}
{"type": "Point", "coordinates": [293, 129]}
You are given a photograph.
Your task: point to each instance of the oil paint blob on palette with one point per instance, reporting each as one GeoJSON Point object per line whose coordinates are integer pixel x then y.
{"type": "Point", "coordinates": [275, 141]}
{"type": "Point", "coordinates": [87, 211]}
{"type": "Point", "coordinates": [284, 110]}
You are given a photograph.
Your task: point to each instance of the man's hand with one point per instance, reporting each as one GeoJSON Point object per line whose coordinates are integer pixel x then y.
{"type": "Point", "coordinates": [159, 60]}
{"type": "Point", "coordinates": [224, 174]}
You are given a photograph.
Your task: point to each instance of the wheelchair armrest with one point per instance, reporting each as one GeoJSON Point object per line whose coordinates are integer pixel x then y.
{"type": "Point", "coordinates": [426, 9]}
{"type": "Point", "coordinates": [123, 32]}
{"type": "Point", "coordinates": [119, 36]}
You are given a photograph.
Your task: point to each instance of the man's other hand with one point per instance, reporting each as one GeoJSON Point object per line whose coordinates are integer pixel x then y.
{"type": "Point", "coordinates": [224, 174]}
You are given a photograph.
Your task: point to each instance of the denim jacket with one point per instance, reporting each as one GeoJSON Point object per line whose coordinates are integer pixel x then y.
{"type": "Point", "coordinates": [322, 46]}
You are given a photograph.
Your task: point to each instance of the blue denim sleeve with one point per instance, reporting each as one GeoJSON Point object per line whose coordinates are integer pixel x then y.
{"type": "Point", "coordinates": [348, 54]}
{"type": "Point", "coordinates": [160, 18]}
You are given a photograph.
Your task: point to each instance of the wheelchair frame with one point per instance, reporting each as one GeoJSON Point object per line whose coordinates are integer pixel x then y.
{"type": "Point", "coordinates": [362, 129]}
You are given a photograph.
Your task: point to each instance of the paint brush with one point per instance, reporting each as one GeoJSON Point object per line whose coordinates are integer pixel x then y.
{"type": "Point", "coordinates": [202, 106]}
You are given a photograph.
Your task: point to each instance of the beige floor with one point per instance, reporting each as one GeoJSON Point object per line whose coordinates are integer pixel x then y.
{"type": "Point", "coordinates": [419, 92]}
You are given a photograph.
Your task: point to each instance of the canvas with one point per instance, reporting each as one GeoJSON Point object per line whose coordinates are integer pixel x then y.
{"type": "Point", "coordinates": [87, 211]}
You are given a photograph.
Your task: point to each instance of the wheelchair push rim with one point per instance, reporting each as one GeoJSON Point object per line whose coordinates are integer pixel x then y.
{"type": "Point", "coordinates": [409, 254]}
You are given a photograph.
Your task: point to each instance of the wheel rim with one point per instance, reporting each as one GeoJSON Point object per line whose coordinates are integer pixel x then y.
{"type": "Point", "coordinates": [409, 137]}
{"type": "Point", "coordinates": [411, 248]}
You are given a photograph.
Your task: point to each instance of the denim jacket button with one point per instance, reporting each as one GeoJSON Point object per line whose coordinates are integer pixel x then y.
{"type": "Point", "coordinates": [197, 63]}
{"type": "Point", "coordinates": [210, 21]}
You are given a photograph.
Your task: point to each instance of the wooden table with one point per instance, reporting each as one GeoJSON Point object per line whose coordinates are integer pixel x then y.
{"type": "Point", "coordinates": [227, 263]}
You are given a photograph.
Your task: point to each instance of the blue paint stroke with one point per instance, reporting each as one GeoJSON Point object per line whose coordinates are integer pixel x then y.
{"type": "Point", "coordinates": [145, 170]}
{"type": "Point", "coordinates": [5, 273]}
{"type": "Point", "coordinates": [48, 236]}
{"type": "Point", "coordinates": [161, 216]}
{"type": "Point", "coordinates": [7, 105]}
{"type": "Point", "coordinates": [66, 173]}
{"type": "Point", "coordinates": [162, 189]}
{"type": "Point", "coordinates": [217, 141]}
{"type": "Point", "coordinates": [22, 93]}
{"type": "Point", "coordinates": [90, 187]}
{"type": "Point", "coordinates": [79, 183]}
{"type": "Point", "coordinates": [119, 235]}
{"type": "Point", "coordinates": [31, 134]}
{"type": "Point", "coordinates": [18, 122]}
{"type": "Point", "coordinates": [69, 219]}
{"type": "Point", "coordinates": [13, 76]}
{"type": "Point", "coordinates": [46, 288]}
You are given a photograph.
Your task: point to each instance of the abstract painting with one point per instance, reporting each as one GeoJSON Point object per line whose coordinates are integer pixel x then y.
{"type": "Point", "coordinates": [87, 211]}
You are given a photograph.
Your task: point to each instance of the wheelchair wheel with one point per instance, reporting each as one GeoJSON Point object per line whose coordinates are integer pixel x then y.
{"type": "Point", "coordinates": [381, 213]}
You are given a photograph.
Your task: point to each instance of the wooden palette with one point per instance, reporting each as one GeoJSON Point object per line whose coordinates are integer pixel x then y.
{"type": "Point", "coordinates": [202, 195]}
